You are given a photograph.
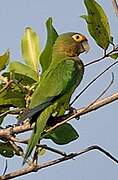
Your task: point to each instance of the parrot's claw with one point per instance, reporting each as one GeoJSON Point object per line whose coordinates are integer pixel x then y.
{"type": "Point", "coordinates": [72, 111]}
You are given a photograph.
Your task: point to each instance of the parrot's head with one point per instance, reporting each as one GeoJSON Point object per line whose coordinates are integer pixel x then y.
{"type": "Point", "coordinates": [71, 44]}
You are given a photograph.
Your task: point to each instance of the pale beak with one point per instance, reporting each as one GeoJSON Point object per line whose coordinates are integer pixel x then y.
{"type": "Point", "coordinates": [85, 46]}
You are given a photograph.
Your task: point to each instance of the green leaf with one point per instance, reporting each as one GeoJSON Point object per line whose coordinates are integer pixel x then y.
{"type": "Point", "coordinates": [46, 55]}
{"type": "Point", "coordinates": [114, 55]}
{"type": "Point", "coordinates": [24, 80]}
{"type": "Point", "coordinates": [30, 48]}
{"type": "Point", "coordinates": [4, 60]}
{"type": "Point", "coordinates": [6, 150]}
{"type": "Point", "coordinates": [23, 69]}
{"type": "Point", "coordinates": [98, 25]}
{"type": "Point", "coordinates": [11, 96]}
{"type": "Point", "coordinates": [63, 134]}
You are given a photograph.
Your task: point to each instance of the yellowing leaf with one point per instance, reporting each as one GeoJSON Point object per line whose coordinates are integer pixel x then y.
{"type": "Point", "coordinates": [30, 48]}
{"type": "Point", "coordinates": [4, 60]}
{"type": "Point", "coordinates": [98, 24]}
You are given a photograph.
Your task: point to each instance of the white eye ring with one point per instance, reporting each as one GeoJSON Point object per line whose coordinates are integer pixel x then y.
{"type": "Point", "coordinates": [77, 37]}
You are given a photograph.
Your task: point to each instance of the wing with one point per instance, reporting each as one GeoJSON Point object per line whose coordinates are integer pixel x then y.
{"type": "Point", "coordinates": [37, 131]}
{"type": "Point", "coordinates": [55, 83]}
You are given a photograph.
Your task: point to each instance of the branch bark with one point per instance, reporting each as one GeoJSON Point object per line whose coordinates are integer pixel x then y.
{"type": "Point", "coordinates": [7, 132]}
{"type": "Point", "coordinates": [36, 167]}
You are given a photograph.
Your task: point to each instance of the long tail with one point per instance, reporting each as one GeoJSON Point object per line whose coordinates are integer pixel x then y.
{"type": "Point", "coordinates": [37, 131]}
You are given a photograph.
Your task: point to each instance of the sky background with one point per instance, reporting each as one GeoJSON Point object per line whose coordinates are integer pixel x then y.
{"type": "Point", "coordinates": [99, 127]}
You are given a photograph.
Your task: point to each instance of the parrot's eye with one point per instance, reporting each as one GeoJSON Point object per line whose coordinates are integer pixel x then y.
{"type": "Point", "coordinates": [78, 37]}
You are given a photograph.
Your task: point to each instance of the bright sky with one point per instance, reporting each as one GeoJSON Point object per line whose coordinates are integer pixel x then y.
{"type": "Point", "coordinates": [99, 127]}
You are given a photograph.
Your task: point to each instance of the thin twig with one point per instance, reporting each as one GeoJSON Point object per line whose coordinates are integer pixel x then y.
{"type": "Point", "coordinates": [16, 148]}
{"type": "Point", "coordinates": [95, 61]}
{"type": "Point", "coordinates": [35, 167]}
{"type": "Point", "coordinates": [52, 149]}
{"type": "Point", "coordinates": [23, 141]}
{"type": "Point", "coordinates": [11, 111]}
{"type": "Point", "coordinates": [19, 152]}
{"type": "Point", "coordinates": [6, 86]}
{"type": "Point", "coordinates": [102, 93]}
{"type": "Point", "coordinates": [91, 82]}
{"type": "Point", "coordinates": [86, 109]}
{"type": "Point", "coordinates": [6, 165]}
{"type": "Point", "coordinates": [103, 57]}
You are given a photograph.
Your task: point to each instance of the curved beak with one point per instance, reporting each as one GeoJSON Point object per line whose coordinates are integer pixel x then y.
{"type": "Point", "coordinates": [85, 46]}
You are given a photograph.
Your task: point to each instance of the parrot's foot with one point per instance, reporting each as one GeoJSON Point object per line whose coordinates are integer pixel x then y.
{"type": "Point", "coordinates": [54, 120]}
{"type": "Point", "coordinates": [73, 111]}
{"type": "Point", "coordinates": [20, 123]}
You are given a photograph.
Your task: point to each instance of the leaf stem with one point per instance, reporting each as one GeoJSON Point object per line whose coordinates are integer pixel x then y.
{"type": "Point", "coordinates": [103, 57]}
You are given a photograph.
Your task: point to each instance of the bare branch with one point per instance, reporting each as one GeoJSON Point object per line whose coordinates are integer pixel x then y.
{"type": "Point", "coordinates": [14, 111]}
{"type": "Point", "coordinates": [36, 167]}
{"type": "Point", "coordinates": [103, 57]}
{"type": "Point", "coordinates": [6, 86]}
{"type": "Point", "coordinates": [95, 61]}
{"type": "Point", "coordinates": [26, 127]}
{"type": "Point", "coordinates": [102, 93]}
{"type": "Point", "coordinates": [87, 109]}
{"type": "Point", "coordinates": [52, 149]}
{"type": "Point", "coordinates": [6, 165]}
{"type": "Point", "coordinates": [6, 132]}
{"type": "Point", "coordinates": [91, 82]}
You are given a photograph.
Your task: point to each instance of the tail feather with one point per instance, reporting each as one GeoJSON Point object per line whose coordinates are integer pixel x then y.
{"type": "Point", "coordinates": [37, 131]}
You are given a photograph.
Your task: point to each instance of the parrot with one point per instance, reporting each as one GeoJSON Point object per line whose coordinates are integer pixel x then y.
{"type": "Point", "coordinates": [52, 96]}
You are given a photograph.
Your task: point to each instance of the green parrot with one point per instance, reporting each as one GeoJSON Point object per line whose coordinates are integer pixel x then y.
{"type": "Point", "coordinates": [52, 96]}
